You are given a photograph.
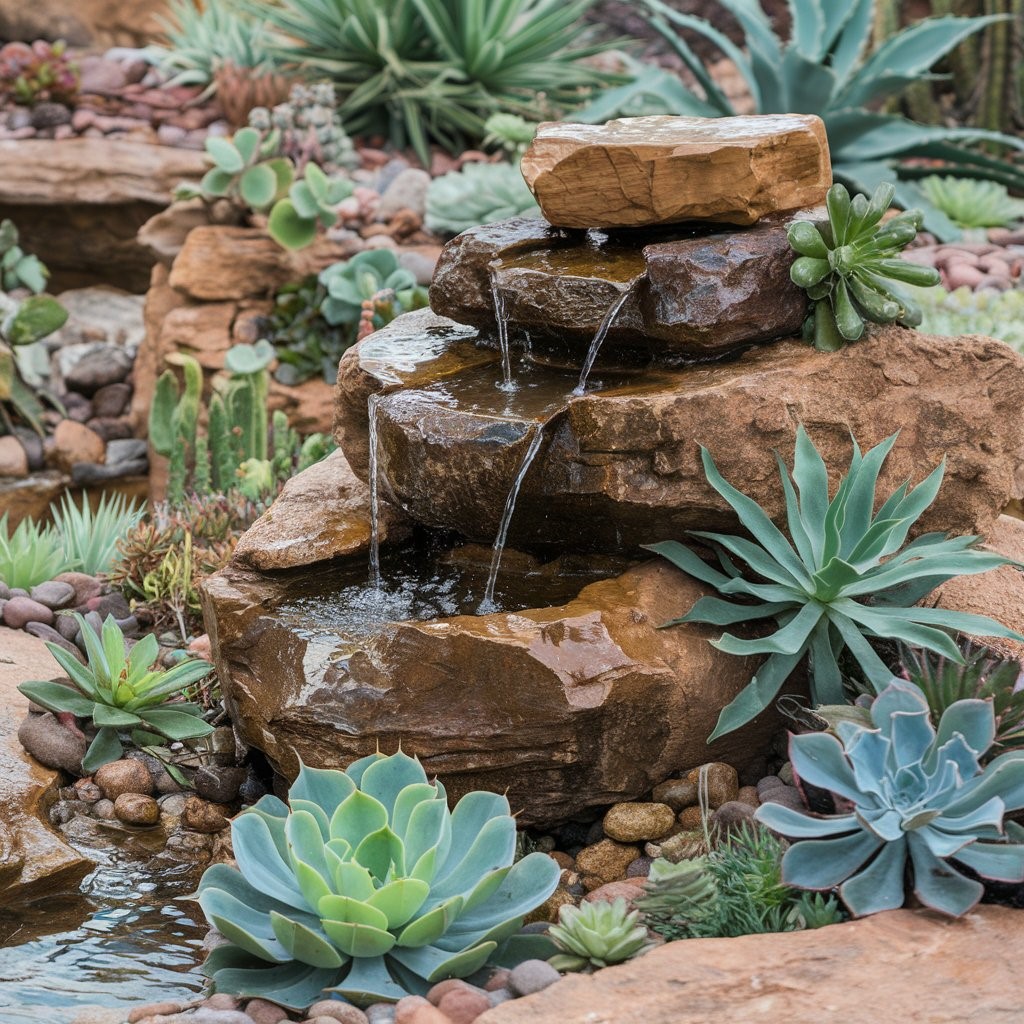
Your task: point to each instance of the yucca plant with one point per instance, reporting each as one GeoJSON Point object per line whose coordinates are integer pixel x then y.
{"type": "Point", "coordinates": [120, 692]}
{"type": "Point", "coordinates": [849, 266]}
{"type": "Point", "coordinates": [31, 554]}
{"type": "Point", "coordinates": [478, 194]}
{"type": "Point", "coordinates": [845, 576]}
{"type": "Point", "coordinates": [422, 71]}
{"type": "Point", "coordinates": [973, 204]}
{"type": "Point", "coordinates": [90, 539]}
{"type": "Point", "coordinates": [368, 887]}
{"type": "Point", "coordinates": [598, 934]}
{"type": "Point", "coordinates": [921, 801]}
{"type": "Point", "coordinates": [823, 68]}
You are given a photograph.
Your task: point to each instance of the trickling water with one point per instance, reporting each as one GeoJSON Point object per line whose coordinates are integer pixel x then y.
{"type": "Point", "coordinates": [500, 318]}
{"type": "Point", "coordinates": [372, 406]}
{"type": "Point", "coordinates": [487, 605]}
{"type": "Point", "coordinates": [602, 332]}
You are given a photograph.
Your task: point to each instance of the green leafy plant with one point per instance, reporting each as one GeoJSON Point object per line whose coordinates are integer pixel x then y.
{"type": "Point", "coordinates": [19, 269]}
{"type": "Point", "coordinates": [478, 194]}
{"type": "Point", "coordinates": [120, 692]}
{"type": "Point", "coordinates": [823, 69]}
{"type": "Point", "coordinates": [367, 277]}
{"type": "Point", "coordinates": [37, 73]}
{"type": "Point", "coordinates": [90, 538]}
{"type": "Point", "coordinates": [921, 800]}
{"type": "Point", "coordinates": [509, 131]}
{"type": "Point", "coordinates": [368, 887]}
{"type": "Point", "coordinates": [846, 576]}
{"type": "Point", "coordinates": [848, 266]}
{"type": "Point", "coordinates": [31, 554]}
{"type": "Point", "coordinates": [421, 71]}
{"type": "Point", "coordinates": [973, 204]}
{"type": "Point", "coordinates": [310, 204]}
{"type": "Point", "coordinates": [965, 311]}
{"type": "Point", "coordinates": [598, 934]}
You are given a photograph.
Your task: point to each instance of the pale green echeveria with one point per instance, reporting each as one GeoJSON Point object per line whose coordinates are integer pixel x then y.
{"type": "Point", "coordinates": [367, 887]}
{"type": "Point", "coordinates": [918, 794]}
{"type": "Point", "coordinates": [844, 577]}
{"type": "Point", "coordinates": [597, 934]}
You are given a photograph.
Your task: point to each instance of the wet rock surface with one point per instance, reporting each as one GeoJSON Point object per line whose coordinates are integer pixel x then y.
{"type": "Point", "coordinates": [641, 171]}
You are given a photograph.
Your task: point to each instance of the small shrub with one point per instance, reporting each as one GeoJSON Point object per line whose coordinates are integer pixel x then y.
{"type": "Point", "coordinates": [37, 73]}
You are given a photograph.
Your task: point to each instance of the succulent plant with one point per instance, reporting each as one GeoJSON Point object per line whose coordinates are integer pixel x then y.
{"type": "Point", "coordinates": [597, 934]}
{"type": "Point", "coordinates": [89, 537]}
{"type": "Point", "coordinates": [312, 202]}
{"type": "Point", "coordinates": [965, 311]}
{"type": "Point", "coordinates": [970, 203]}
{"type": "Point", "coordinates": [18, 269]}
{"type": "Point", "coordinates": [119, 691]}
{"type": "Point", "coordinates": [242, 89]}
{"type": "Point", "coordinates": [847, 267]}
{"type": "Point", "coordinates": [478, 194]}
{"type": "Point", "coordinates": [676, 895]}
{"type": "Point", "coordinates": [32, 553]}
{"type": "Point", "coordinates": [37, 73]}
{"type": "Point", "coordinates": [845, 575]}
{"type": "Point", "coordinates": [921, 801]}
{"type": "Point", "coordinates": [367, 887]}
{"type": "Point", "coordinates": [368, 276]}
{"type": "Point", "coordinates": [510, 131]}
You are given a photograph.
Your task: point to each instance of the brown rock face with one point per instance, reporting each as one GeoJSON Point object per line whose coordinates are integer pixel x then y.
{"type": "Point", "coordinates": [322, 513]}
{"type": "Point", "coordinates": [568, 707]}
{"type": "Point", "coordinates": [101, 23]}
{"type": "Point", "coordinates": [625, 459]}
{"type": "Point", "coordinates": [641, 171]}
{"type": "Point", "coordinates": [923, 969]}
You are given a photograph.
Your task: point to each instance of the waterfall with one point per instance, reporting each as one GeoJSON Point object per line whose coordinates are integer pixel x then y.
{"type": "Point", "coordinates": [602, 332]}
{"type": "Point", "coordinates": [488, 605]}
{"type": "Point", "coordinates": [372, 407]}
{"type": "Point", "coordinates": [501, 320]}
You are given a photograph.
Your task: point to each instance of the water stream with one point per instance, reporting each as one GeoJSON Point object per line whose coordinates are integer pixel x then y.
{"type": "Point", "coordinates": [501, 320]}
{"type": "Point", "coordinates": [372, 407]}
{"type": "Point", "coordinates": [602, 332]}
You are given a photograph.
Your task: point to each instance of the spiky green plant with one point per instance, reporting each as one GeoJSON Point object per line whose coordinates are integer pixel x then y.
{"type": "Point", "coordinates": [30, 554]}
{"type": "Point", "coordinates": [973, 204]}
{"type": "Point", "coordinates": [90, 538]}
{"type": "Point", "coordinates": [118, 691]}
{"type": "Point", "coordinates": [849, 267]}
{"type": "Point", "coordinates": [921, 801]}
{"type": "Point", "coordinates": [597, 934]}
{"type": "Point", "coordinates": [824, 68]}
{"type": "Point", "coordinates": [844, 577]}
{"type": "Point", "coordinates": [478, 194]}
{"type": "Point", "coordinates": [367, 887]}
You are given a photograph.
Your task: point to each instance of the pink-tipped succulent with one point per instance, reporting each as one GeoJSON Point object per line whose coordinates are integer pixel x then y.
{"type": "Point", "coordinates": [37, 73]}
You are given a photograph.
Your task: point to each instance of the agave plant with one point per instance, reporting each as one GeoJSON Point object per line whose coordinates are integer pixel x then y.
{"type": "Point", "coordinates": [844, 577]}
{"type": "Point", "coordinates": [367, 887]}
{"type": "Point", "coordinates": [119, 691]}
{"type": "Point", "coordinates": [920, 800]}
{"type": "Point", "coordinates": [848, 266]}
{"type": "Point", "coordinates": [424, 71]}
{"type": "Point", "coordinates": [30, 554]}
{"type": "Point", "coordinates": [822, 69]}
{"type": "Point", "coordinates": [973, 204]}
{"type": "Point", "coordinates": [90, 538]}
{"type": "Point", "coordinates": [596, 935]}
{"type": "Point", "coordinates": [478, 194]}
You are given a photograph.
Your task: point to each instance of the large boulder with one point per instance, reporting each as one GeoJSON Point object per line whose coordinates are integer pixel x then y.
{"type": "Point", "coordinates": [568, 708]}
{"type": "Point", "coordinates": [625, 460]}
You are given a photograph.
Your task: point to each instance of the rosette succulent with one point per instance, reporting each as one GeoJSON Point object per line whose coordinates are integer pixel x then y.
{"type": "Point", "coordinates": [849, 265]}
{"type": "Point", "coordinates": [368, 276]}
{"type": "Point", "coordinates": [478, 194]}
{"type": "Point", "coordinates": [597, 934]}
{"type": "Point", "coordinates": [921, 799]}
{"type": "Point", "coordinates": [368, 887]}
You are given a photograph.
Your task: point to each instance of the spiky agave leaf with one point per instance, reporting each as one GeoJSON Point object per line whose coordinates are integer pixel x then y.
{"type": "Point", "coordinates": [365, 885]}
{"type": "Point", "coordinates": [844, 576]}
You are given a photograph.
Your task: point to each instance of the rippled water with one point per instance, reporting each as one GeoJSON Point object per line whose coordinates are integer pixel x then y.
{"type": "Point", "coordinates": [122, 940]}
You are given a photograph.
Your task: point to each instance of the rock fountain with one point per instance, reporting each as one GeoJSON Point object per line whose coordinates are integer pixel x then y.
{"type": "Point", "coordinates": [552, 402]}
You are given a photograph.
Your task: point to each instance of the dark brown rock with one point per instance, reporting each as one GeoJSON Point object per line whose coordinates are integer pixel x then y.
{"type": "Point", "coordinates": [20, 611]}
{"type": "Point", "coordinates": [202, 816]}
{"type": "Point", "coordinates": [604, 704]}
{"type": "Point", "coordinates": [111, 400]}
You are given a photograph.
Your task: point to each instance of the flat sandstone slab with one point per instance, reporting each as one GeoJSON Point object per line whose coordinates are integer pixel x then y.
{"type": "Point", "coordinates": [641, 171]}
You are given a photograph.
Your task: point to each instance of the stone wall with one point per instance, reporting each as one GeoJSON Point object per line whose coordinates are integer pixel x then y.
{"type": "Point", "coordinates": [96, 23]}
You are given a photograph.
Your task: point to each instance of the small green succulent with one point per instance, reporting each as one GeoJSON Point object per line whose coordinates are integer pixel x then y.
{"type": "Point", "coordinates": [120, 691]}
{"type": "Point", "coordinates": [480, 193]}
{"type": "Point", "coordinates": [972, 203]}
{"type": "Point", "coordinates": [367, 887]}
{"type": "Point", "coordinates": [845, 576]}
{"type": "Point", "coordinates": [920, 801]}
{"type": "Point", "coordinates": [675, 895]}
{"type": "Point", "coordinates": [849, 265]}
{"type": "Point", "coordinates": [30, 554]}
{"type": "Point", "coordinates": [19, 269]}
{"type": "Point", "coordinates": [965, 311]}
{"type": "Point", "coordinates": [597, 934]}
{"type": "Point", "coordinates": [311, 203]}
{"type": "Point", "coordinates": [365, 277]}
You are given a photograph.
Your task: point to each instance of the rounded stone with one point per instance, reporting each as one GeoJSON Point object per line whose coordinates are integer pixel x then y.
{"type": "Point", "coordinates": [722, 780]}
{"type": "Point", "coordinates": [218, 784]}
{"type": "Point", "coordinates": [606, 860]}
{"type": "Point", "coordinates": [20, 611]}
{"type": "Point", "coordinates": [51, 744]}
{"type": "Point", "coordinates": [612, 891]}
{"type": "Point", "coordinates": [336, 1010]}
{"type": "Point", "coordinates": [732, 817]}
{"type": "Point", "coordinates": [85, 586]}
{"type": "Point", "coordinates": [638, 822]}
{"type": "Point", "coordinates": [788, 796]}
{"type": "Point", "coordinates": [103, 809]}
{"type": "Point", "coordinates": [464, 1005]}
{"type": "Point", "coordinates": [748, 795]}
{"type": "Point", "coordinates": [136, 809]}
{"type": "Point", "coordinates": [691, 818]}
{"type": "Point", "coordinates": [263, 1012]}
{"type": "Point", "coordinates": [677, 793]}
{"type": "Point", "coordinates": [532, 976]}
{"type": "Point", "coordinates": [127, 775]}
{"type": "Point", "coordinates": [202, 816]}
{"type": "Point", "coordinates": [54, 594]}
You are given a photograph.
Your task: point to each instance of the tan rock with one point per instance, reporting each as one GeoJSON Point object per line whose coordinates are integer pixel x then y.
{"type": "Point", "coordinates": [161, 298]}
{"type": "Point", "coordinates": [691, 818]}
{"type": "Point", "coordinates": [30, 497]}
{"type": "Point", "coordinates": [721, 782]}
{"type": "Point", "coordinates": [606, 860]}
{"type": "Point", "coordinates": [98, 23]}
{"type": "Point", "coordinates": [127, 775]}
{"type": "Point", "coordinates": [136, 809]}
{"type": "Point", "coordinates": [74, 442]}
{"type": "Point", "coordinates": [677, 793]}
{"type": "Point", "coordinates": [641, 171]}
{"type": "Point", "coordinates": [203, 816]}
{"type": "Point", "coordinates": [13, 457]}
{"type": "Point", "coordinates": [202, 331]}
{"type": "Point", "coordinates": [628, 890]}
{"type": "Point", "coordinates": [633, 822]}
{"type": "Point", "coordinates": [603, 703]}
{"type": "Point", "coordinates": [322, 513]}
{"type": "Point", "coordinates": [924, 969]}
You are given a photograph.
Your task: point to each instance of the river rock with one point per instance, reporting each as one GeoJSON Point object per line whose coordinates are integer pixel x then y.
{"type": "Point", "coordinates": [605, 704]}
{"type": "Point", "coordinates": [74, 443]}
{"type": "Point", "coordinates": [111, 399]}
{"type": "Point", "coordinates": [641, 171]}
{"type": "Point", "coordinates": [721, 780]}
{"type": "Point", "coordinates": [219, 784]}
{"type": "Point", "coordinates": [51, 743]}
{"type": "Point", "coordinates": [202, 816]}
{"type": "Point", "coordinates": [98, 366]}
{"type": "Point", "coordinates": [19, 611]}
{"type": "Point", "coordinates": [53, 593]}
{"type": "Point", "coordinates": [638, 822]}
{"type": "Point", "coordinates": [320, 514]}
{"type": "Point", "coordinates": [136, 809]}
{"type": "Point", "coordinates": [127, 775]}
{"type": "Point", "coordinates": [85, 586]}
{"type": "Point", "coordinates": [626, 459]}
{"type": "Point", "coordinates": [13, 457]}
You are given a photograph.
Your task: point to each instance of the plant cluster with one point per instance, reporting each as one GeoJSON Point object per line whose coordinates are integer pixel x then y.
{"type": "Point", "coordinates": [509, 132]}
{"type": "Point", "coordinates": [435, 70]}
{"type": "Point", "coordinates": [120, 692]}
{"type": "Point", "coordinates": [824, 68]}
{"type": "Point", "coordinates": [848, 267]}
{"type": "Point", "coordinates": [372, 278]}
{"type": "Point", "coordinates": [844, 577]}
{"type": "Point", "coordinates": [19, 269]}
{"type": "Point", "coordinates": [367, 887]}
{"type": "Point", "coordinates": [37, 73]}
{"type": "Point", "coordinates": [965, 311]}
{"type": "Point", "coordinates": [596, 935]}
{"type": "Point", "coordinates": [309, 128]}
{"type": "Point", "coordinates": [973, 204]}
{"type": "Point", "coordinates": [921, 803]}
{"type": "Point", "coordinates": [481, 193]}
